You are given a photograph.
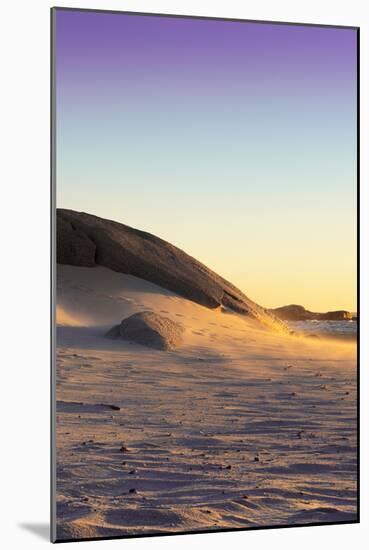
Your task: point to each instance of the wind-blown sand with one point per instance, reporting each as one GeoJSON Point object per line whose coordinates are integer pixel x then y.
{"type": "Point", "coordinates": [238, 427]}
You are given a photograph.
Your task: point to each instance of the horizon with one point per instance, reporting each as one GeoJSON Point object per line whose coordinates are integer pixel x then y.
{"type": "Point", "coordinates": [166, 124]}
{"type": "Point", "coordinates": [243, 290]}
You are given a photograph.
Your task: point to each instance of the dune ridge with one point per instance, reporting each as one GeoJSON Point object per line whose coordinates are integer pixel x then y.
{"type": "Point", "coordinates": [85, 240]}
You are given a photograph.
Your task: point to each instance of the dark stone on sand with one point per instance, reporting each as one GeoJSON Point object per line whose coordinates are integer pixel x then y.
{"type": "Point", "coordinates": [112, 407]}
{"type": "Point", "coordinates": [87, 240]}
{"type": "Point", "coordinates": [149, 329]}
{"type": "Point", "coordinates": [113, 333]}
{"type": "Point", "coordinates": [73, 246]}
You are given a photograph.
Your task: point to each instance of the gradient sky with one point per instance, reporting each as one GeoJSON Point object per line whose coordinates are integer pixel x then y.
{"type": "Point", "coordinates": [235, 141]}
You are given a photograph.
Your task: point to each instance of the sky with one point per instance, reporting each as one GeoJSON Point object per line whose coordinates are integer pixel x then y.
{"type": "Point", "coordinates": [235, 141]}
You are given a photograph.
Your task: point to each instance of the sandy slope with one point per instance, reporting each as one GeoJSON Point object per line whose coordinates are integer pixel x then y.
{"type": "Point", "coordinates": [85, 240]}
{"type": "Point", "coordinates": [238, 427]}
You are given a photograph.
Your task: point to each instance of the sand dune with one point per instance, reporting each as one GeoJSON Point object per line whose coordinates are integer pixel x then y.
{"type": "Point", "coordinates": [239, 426]}
{"type": "Point", "coordinates": [84, 240]}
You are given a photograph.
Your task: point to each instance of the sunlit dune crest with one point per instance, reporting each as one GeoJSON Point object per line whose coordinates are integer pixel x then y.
{"type": "Point", "coordinates": [65, 319]}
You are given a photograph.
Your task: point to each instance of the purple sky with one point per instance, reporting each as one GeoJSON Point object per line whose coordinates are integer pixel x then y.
{"type": "Point", "coordinates": [250, 123]}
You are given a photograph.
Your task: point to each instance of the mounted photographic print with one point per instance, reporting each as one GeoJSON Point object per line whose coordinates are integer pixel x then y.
{"type": "Point", "coordinates": [204, 277]}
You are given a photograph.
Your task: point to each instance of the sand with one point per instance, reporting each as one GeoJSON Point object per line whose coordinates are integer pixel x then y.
{"type": "Point", "coordinates": [238, 427]}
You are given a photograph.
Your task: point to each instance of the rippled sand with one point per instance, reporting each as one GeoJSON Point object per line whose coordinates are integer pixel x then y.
{"type": "Point", "coordinates": [239, 427]}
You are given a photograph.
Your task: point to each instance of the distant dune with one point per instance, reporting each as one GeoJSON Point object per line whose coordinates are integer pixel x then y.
{"type": "Point", "coordinates": [299, 313]}
{"type": "Point", "coordinates": [85, 240]}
